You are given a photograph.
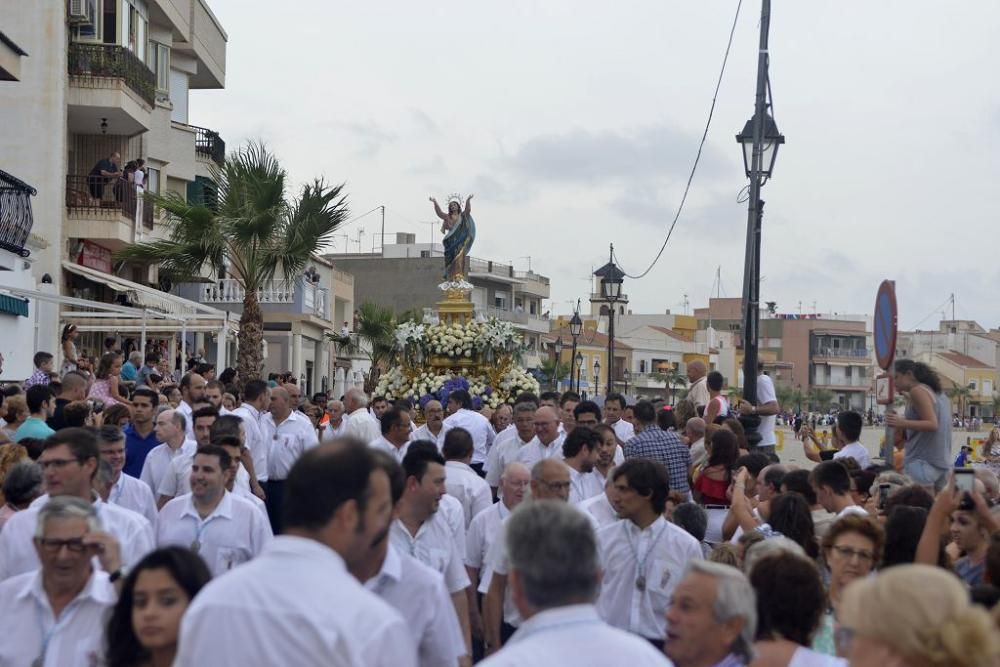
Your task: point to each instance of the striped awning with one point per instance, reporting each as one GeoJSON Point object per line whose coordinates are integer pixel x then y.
{"type": "Point", "coordinates": [12, 305]}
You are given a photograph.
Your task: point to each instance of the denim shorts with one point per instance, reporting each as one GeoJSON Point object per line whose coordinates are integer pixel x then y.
{"type": "Point", "coordinates": [925, 474]}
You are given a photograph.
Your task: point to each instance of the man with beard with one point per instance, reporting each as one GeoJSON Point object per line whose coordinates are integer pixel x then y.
{"type": "Point", "coordinates": [580, 452]}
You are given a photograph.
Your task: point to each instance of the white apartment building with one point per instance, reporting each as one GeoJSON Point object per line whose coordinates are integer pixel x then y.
{"type": "Point", "coordinates": [98, 77]}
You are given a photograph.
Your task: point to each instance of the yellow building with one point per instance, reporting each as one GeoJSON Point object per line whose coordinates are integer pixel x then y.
{"type": "Point", "coordinates": [592, 347]}
{"type": "Point", "coordinates": [965, 371]}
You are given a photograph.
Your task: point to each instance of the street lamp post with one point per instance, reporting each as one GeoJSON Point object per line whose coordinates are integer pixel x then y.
{"type": "Point", "coordinates": [575, 328]}
{"type": "Point", "coordinates": [760, 140]}
{"type": "Point", "coordinates": [611, 290]}
{"type": "Point", "coordinates": [626, 375]}
{"type": "Point", "coordinates": [579, 369]}
{"type": "Point", "coordinates": [597, 375]}
{"type": "Point", "coordinates": [555, 368]}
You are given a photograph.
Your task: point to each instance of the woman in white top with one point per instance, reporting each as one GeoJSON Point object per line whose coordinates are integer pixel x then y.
{"type": "Point", "coordinates": [790, 602]}
{"type": "Point", "coordinates": [69, 334]}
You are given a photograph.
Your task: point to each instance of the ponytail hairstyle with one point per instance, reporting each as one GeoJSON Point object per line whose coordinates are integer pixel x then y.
{"type": "Point", "coordinates": [921, 372]}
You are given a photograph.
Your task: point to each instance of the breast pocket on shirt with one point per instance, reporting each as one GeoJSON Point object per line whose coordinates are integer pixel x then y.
{"type": "Point", "coordinates": [660, 582]}
{"type": "Point", "coordinates": [437, 558]}
{"type": "Point", "coordinates": [229, 558]}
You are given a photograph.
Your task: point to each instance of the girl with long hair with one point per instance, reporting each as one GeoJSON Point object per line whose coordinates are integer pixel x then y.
{"type": "Point", "coordinates": [924, 430]}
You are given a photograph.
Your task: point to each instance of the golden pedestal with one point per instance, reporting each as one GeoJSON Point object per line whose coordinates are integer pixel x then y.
{"type": "Point", "coordinates": [457, 307]}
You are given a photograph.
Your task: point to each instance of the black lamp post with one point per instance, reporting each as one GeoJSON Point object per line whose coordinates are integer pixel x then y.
{"type": "Point", "coordinates": [626, 375]}
{"type": "Point", "coordinates": [611, 291]}
{"type": "Point", "coordinates": [579, 369]}
{"type": "Point", "coordinates": [555, 368]}
{"type": "Point", "coordinates": [760, 140]}
{"type": "Point", "coordinates": [575, 329]}
{"type": "Point", "coordinates": [597, 375]}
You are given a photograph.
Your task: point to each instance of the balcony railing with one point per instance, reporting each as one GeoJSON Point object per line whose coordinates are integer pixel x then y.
{"type": "Point", "coordinates": [315, 299]}
{"type": "Point", "coordinates": [840, 353]}
{"type": "Point", "coordinates": [208, 144]}
{"type": "Point", "coordinates": [94, 195]}
{"type": "Point", "coordinates": [16, 218]}
{"type": "Point", "coordinates": [89, 64]}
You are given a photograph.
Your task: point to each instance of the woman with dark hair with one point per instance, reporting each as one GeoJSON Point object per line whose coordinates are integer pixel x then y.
{"type": "Point", "coordinates": [69, 334]}
{"type": "Point", "coordinates": [718, 405]}
{"type": "Point", "coordinates": [713, 482]}
{"type": "Point", "coordinates": [734, 425]}
{"type": "Point", "coordinates": [924, 430]}
{"type": "Point", "coordinates": [106, 388]}
{"type": "Point", "coordinates": [145, 625]}
{"type": "Point", "coordinates": [790, 602]}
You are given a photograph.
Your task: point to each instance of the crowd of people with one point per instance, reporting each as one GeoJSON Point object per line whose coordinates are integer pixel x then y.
{"type": "Point", "coordinates": [147, 522]}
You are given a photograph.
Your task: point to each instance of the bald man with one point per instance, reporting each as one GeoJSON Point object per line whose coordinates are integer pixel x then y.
{"type": "Point", "coordinates": [547, 442]}
{"type": "Point", "coordinates": [74, 388]}
{"type": "Point", "coordinates": [697, 388]}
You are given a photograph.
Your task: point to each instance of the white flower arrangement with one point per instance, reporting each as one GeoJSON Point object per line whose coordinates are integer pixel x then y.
{"type": "Point", "coordinates": [461, 285]}
{"type": "Point", "coordinates": [409, 333]}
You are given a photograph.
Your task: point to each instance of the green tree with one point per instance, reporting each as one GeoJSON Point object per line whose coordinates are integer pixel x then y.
{"type": "Point", "coordinates": [374, 338]}
{"type": "Point", "coordinates": [820, 399]}
{"type": "Point", "coordinates": [251, 231]}
{"type": "Point", "coordinates": [555, 371]}
{"type": "Point", "coordinates": [673, 378]}
{"type": "Point", "coordinates": [961, 395]}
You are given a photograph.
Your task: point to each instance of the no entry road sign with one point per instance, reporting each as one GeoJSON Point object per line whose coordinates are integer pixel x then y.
{"type": "Point", "coordinates": [885, 324]}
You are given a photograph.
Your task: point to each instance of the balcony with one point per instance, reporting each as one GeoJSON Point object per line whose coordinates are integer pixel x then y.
{"type": "Point", "coordinates": [16, 218]}
{"type": "Point", "coordinates": [106, 213]}
{"type": "Point", "coordinates": [208, 145]}
{"type": "Point", "coordinates": [278, 296]}
{"type": "Point", "coordinates": [522, 320]}
{"type": "Point", "coordinates": [840, 353]}
{"type": "Point", "coordinates": [109, 84]}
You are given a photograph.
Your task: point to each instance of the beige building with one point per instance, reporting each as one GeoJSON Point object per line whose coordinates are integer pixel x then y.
{"type": "Point", "coordinates": [103, 77]}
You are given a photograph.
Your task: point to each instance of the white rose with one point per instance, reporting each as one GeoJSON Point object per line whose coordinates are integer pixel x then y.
{"type": "Point", "coordinates": [468, 354]}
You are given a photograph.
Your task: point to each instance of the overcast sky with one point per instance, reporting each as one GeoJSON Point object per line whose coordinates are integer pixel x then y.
{"type": "Point", "coordinates": [575, 124]}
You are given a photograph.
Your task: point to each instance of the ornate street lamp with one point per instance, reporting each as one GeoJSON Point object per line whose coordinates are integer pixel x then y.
{"type": "Point", "coordinates": [575, 329]}
{"type": "Point", "coordinates": [579, 369]}
{"type": "Point", "coordinates": [555, 368]}
{"type": "Point", "coordinates": [612, 278]}
{"type": "Point", "coordinates": [597, 375]}
{"type": "Point", "coordinates": [770, 141]}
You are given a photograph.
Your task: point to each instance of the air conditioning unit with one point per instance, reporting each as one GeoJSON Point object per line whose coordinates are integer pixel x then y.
{"type": "Point", "coordinates": [81, 12]}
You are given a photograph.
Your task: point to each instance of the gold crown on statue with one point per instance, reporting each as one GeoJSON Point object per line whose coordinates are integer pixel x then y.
{"type": "Point", "coordinates": [455, 197]}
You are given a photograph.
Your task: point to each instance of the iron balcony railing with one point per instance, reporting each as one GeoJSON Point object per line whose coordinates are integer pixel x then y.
{"type": "Point", "coordinates": [840, 353]}
{"type": "Point", "coordinates": [95, 195]}
{"type": "Point", "coordinates": [89, 64]}
{"type": "Point", "coordinates": [209, 144]}
{"type": "Point", "coordinates": [16, 218]}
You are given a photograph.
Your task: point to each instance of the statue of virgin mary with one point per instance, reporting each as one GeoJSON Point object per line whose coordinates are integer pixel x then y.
{"type": "Point", "coordinates": [460, 233]}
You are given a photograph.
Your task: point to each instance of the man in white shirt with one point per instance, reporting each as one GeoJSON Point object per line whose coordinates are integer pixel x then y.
{"type": "Point", "coordinates": [256, 401]}
{"type": "Point", "coordinates": [580, 452]}
{"type": "Point", "coordinates": [614, 406]}
{"type": "Point", "coordinates": [69, 465]}
{"type": "Point", "coordinates": [214, 391]}
{"type": "Point", "coordinates": [291, 433]}
{"type": "Point", "coordinates": [126, 491]}
{"type": "Point", "coordinates": [599, 507]}
{"type": "Point", "coordinates": [297, 603]}
{"type": "Point", "coordinates": [395, 438]}
{"type": "Point", "coordinates": [643, 556]}
{"type": "Point", "coordinates": [236, 449]}
{"type": "Point", "coordinates": [57, 614]}
{"type": "Point", "coordinates": [767, 408]}
{"type": "Point", "coordinates": [479, 427]}
{"type": "Point", "coordinates": [832, 484]}
{"type": "Point", "coordinates": [462, 482]}
{"type": "Point", "coordinates": [509, 443]}
{"type": "Point", "coordinates": [379, 405]}
{"type": "Point", "coordinates": [555, 574]}
{"type": "Point", "coordinates": [336, 425]}
{"type": "Point", "coordinates": [547, 442]}
{"type": "Point", "coordinates": [192, 388]}
{"type": "Point", "coordinates": [694, 438]}
{"type": "Point", "coordinates": [171, 431]}
{"type": "Point", "coordinates": [697, 384]}
{"type": "Point", "coordinates": [549, 481]}
{"type": "Point", "coordinates": [360, 424]}
{"type": "Point", "coordinates": [222, 528]}
{"type": "Point", "coordinates": [177, 480]}
{"type": "Point", "coordinates": [416, 591]}
{"type": "Point", "coordinates": [848, 431]}
{"type": "Point", "coordinates": [421, 531]}
{"type": "Point", "coordinates": [433, 428]}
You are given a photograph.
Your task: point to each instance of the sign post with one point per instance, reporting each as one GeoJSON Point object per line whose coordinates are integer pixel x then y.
{"type": "Point", "coordinates": [884, 333]}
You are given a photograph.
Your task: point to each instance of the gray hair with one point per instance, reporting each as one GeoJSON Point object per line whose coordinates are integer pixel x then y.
{"type": "Point", "coordinates": [553, 549]}
{"type": "Point", "coordinates": [538, 470]}
{"type": "Point", "coordinates": [358, 396]}
{"type": "Point", "coordinates": [523, 407]}
{"type": "Point", "coordinates": [67, 507]}
{"type": "Point", "coordinates": [734, 598]}
{"type": "Point", "coordinates": [693, 518]}
{"type": "Point", "coordinates": [23, 483]}
{"type": "Point", "coordinates": [770, 547]}
{"type": "Point", "coordinates": [331, 403]}
{"type": "Point", "coordinates": [893, 479]}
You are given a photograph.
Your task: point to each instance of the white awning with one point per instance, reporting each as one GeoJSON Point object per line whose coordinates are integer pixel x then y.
{"type": "Point", "coordinates": [147, 297]}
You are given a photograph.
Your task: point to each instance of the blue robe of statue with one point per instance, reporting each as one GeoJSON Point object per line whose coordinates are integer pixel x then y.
{"type": "Point", "coordinates": [457, 243]}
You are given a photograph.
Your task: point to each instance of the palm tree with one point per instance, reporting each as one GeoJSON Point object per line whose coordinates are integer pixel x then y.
{"type": "Point", "coordinates": [249, 231]}
{"type": "Point", "coordinates": [961, 393]}
{"type": "Point", "coordinates": [554, 370]}
{"type": "Point", "coordinates": [675, 379]}
{"type": "Point", "coordinates": [374, 338]}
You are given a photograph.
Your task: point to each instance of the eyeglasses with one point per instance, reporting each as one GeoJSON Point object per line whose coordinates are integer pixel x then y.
{"type": "Point", "coordinates": [556, 486]}
{"type": "Point", "coordinates": [843, 636]}
{"type": "Point", "coordinates": [53, 546]}
{"type": "Point", "coordinates": [519, 485]}
{"type": "Point", "coordinates": [58, 464]}
{"type": "Point", "coordinates": [847, 553]}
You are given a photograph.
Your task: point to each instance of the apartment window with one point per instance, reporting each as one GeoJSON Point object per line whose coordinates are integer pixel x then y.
{"type": "Point", "coordinates": [134, 29]}
{"type": "Point", "coordinates": [159, 62]}
{"type": "Point", "coordinates": [500, 302]}
{"type": "Point", "coordinates": [988, 387]}
{"type": "Point", "coordinates": [848, 372]}
{"type": "Point", "coordinates": [90, 32]}
{"type": "Point", "coordinates": [152, 180]}
{"type": "Point", "coordinates": [974, 385]}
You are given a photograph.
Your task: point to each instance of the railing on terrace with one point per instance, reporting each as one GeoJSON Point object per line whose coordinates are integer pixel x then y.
{"type": "Point", "coordinates": [16, 218]}
{"type": "Point", "coordinates": [229, 290]}
{"type": "Point", "coordinates": [840, 353]}
{"type": "Point", "coordinates": [209, 144]}
{"type": "Point", "coordinates": [91, 64]}
{"type": "Point", "coordinates": [314, 300]}
{"type": "Point", "coordinates": [93, 195]}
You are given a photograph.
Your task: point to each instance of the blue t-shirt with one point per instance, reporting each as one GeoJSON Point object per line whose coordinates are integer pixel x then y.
{"type": "Point", "coordinates": [33, 428]}
{"type": "Point", "coordinates": [969, 572]}
{"type": "Point", "coordinates": [136, 449]}
{"type": "Point", "coordinates": [129, 372]}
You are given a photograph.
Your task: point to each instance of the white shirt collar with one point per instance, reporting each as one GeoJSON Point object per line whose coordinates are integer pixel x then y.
{"type": "Point", "coordinates": [392, 569]}
{"type": "Point", "coordinates": [92, 589]}
{"type": "Point", "coordinates": [460, 465]}
{"type": "Point", "coordinates": [224, 509]}
{"type": "Point", "coordinates": [558, 617]}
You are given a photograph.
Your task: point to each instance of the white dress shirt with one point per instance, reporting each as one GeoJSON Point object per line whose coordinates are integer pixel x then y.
{"type": "Point", "coordinates": [254, 500]}
{"type": "Point", "coordinates": [77, 636]}
{"type": "Point", "coordinates": [132, 494]}
{"type": "Point", "coordinates": [583, 485]}
{"type": "Point", "coordinates": [624, 431]}
{"type": "Point", "coordinates": [574, 635]}
{"type": "Point", "coordinates": [599, 507]}
{"type": "Point", "coordinates": [231, 535]}
{"type": "Point", "coordinates": [663, 552]}
{"type": "Point", "coordinates": [185, 409]}
{"type": "Point", "coordinates": [535, 451]}
{"type": "Point", "coordinates": [256, 440]}
{"type": "Point", "coordinates": [856, 451]}
{"type": "Point", "coordinates": [468, 488]}
{"type": "Point", "coordinates": [289, 440]}
{"type": "Point", "coordinates": [157, 463]}
{"type": "Point", "coordinates": [363, 426]}
{"type": "Point", "coordinates": [479, 540]}
{"type": "Point", "coordinates": [436, 546]}
{"type": "Point", "coordinates": [177, 481]}
{"type": "Point", "coordinates": [496, 562]}
{"type": "Point", "coordinates": [395, 452]}
{"type": "Point", "coordinates": [295, 604]}
{"type": "Point", "coordinates": [334, 432]}
{"type": "Point", "coordinates": [479, 428]}
{"type": "Point", "coordinates": [419, 594]}
{"type": "Point", "coordinates": [503, 452]}
{"type": "Point", "coordinates": [424, 433]}
{"type": "Point", "coordinates": [17, 547]}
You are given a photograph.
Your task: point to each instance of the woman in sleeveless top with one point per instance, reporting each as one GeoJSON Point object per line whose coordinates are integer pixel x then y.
{"type": "Point", "coordinates": [69, 334]}
{"type": "Point", "coordinates": [105, 388]}
{"type": "Point", "coordinates": [712, 482]}
{"type": "Point", "coordinates": [718, 405]}
{"type": "Point", "coordinates": [924, 430]}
